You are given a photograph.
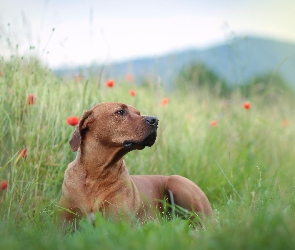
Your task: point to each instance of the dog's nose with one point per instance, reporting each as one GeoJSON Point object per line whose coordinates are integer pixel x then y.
{"type": "Point", "coordinates": [151, 120]}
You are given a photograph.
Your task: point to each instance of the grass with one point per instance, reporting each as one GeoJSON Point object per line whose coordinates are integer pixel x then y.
{"type": "Point", "coordinates": [244, 164]}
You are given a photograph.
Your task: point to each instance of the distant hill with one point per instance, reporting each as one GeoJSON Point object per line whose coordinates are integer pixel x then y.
{"type": "Point", "coordinates": [236, 62]}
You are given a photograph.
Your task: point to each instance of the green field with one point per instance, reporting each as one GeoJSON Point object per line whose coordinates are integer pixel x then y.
{"type": "Point", "coordinates": [244, 164]}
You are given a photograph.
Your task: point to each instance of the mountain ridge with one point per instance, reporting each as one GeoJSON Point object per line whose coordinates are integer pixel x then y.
{"type": "Point", "coordinates": [236, 61]}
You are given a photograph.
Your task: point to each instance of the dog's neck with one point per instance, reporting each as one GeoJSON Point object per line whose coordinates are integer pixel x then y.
{"type": "Point", "coordinates": [104, 163]}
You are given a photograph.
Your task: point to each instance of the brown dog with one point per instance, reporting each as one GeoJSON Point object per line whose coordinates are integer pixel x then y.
{"type": "Point", "coordinates": [98, 180]}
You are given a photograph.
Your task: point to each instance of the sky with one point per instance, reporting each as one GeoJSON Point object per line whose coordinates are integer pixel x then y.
{"type": "Point", "coordinates": [82, 32]}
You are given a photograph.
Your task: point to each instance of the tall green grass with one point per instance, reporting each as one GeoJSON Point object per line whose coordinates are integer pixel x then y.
{"type": "Point", "coordinates": [245, 164]}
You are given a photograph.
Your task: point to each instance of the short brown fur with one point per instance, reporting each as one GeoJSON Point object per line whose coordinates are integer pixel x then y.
{"type": "Point", "coordinates": [98, 180]}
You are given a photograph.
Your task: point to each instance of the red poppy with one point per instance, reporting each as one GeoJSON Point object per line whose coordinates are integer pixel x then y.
{"type": "Point", "coordinates": [31, 99]}
{"type": "Point", "coordinates": [72, 120]}
{"type": "Point", "coordinates": [132, 92]}
{"type": "Point", "coordinates": [129, 78]}
{"type": "Point", "coordinates": [213, 123]}
{"type": "Point", "coordinates": [247, 105]}
{"type": "Point", "coordinates": [110, 83]}
{"type": "Point", "coordinates": [285, 123]}
{"type": "Point", "coordinates": [1, 74]}
{"type": "Point", "coordinates": [4, 184]}
{"type": "Point", "coordinates": [23, 153]}
{"type": "Point", "coordinates": [165, 101]}
{"type": "Point", "coordinates": [78, 78]}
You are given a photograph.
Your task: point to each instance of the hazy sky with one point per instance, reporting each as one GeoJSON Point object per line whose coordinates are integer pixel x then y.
{"type": "Point", "coordinates": [88, 31]}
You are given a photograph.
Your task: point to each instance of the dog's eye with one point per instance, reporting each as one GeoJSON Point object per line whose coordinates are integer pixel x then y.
{"type": "Point", "coordinates": [120, 112]}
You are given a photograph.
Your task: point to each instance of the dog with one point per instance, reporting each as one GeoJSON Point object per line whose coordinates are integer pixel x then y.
{"type": "Point", "coordinates": [98, 180]}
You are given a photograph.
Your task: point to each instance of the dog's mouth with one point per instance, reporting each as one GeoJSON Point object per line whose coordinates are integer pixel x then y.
{"type": "Point", "coordinates": [148, 141]}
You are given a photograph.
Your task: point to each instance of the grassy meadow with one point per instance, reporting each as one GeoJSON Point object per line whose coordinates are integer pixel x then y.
{"type": "Point", "coordinates": [243, 159]}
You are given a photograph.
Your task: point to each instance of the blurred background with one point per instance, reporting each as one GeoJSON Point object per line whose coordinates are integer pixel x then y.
{"type": "Point", "coordinates": [236, 39]}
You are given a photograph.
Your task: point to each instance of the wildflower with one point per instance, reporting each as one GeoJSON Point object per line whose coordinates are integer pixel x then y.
{"type": "Point", "coordinates": [129, 77]}
{"type": "Point", "coordinates": [72, 120]}
{"type": "Point", "coordinates": [1, 74]}
{"type": "Point", "coordinates": [213, 123]}
{"type": "Point", "coordinates": [165, 101]}
{"type": "Point", "coordinates": [23, 153]}
{"type": "Point", "coordinates": [78, 78]}
{"type": "Point", "coordinates": [247, 105]}
{"type": "Point", "coordinates": [110, 83]}
{"type": "Point", "coordinates": [132, 92]}
{"type": "Point", "coordinates": [4, 184]}
{"type": "Point", "coordinates": [31, 99]}
{"type": "Point", "coordinates": [285, 123]}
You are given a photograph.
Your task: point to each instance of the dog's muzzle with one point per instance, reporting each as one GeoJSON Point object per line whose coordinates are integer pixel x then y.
{"type": "Point", "coordinates": [149, 140]}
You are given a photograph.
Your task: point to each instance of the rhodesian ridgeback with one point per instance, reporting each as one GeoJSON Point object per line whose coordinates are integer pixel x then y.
{"type": "Point", "coordinates": [98, 180]}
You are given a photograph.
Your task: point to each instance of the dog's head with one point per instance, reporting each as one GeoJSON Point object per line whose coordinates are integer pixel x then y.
{"type": "Point", "coordinates": [115, 125]}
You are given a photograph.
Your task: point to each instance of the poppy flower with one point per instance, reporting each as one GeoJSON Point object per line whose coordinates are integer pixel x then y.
{"type": "Point", "coordinates": [23, 153]}
{"type": "Point", "coordinates": [129, 78]}
{"type": "Point", "coordinates": [78, 78]}
{"type": "Point", "coordinates": [31, 99]}
{"type": "Point", "coordinates": [4, 184]}
{"type": "Point", "coordinates": [247, 105]}
{"type": "Point", "coordinates": [285, 123]}
{"type": "Point", "coordinates": [132, 92]}
{"type": "Point", "coordinates": [1, 74]}
{"type": "Point", "coordinates": [110, 83]}
{"type": "Point", "coordinates": [165, 101]}
{"type": "Point", "coordinates": [72, 120]}
{"type": "Point", "coordinates": [213, 123]}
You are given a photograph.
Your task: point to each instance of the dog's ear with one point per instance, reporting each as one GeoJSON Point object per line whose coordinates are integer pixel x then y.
{"type": "Point", "coordinates": [76, 139]}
